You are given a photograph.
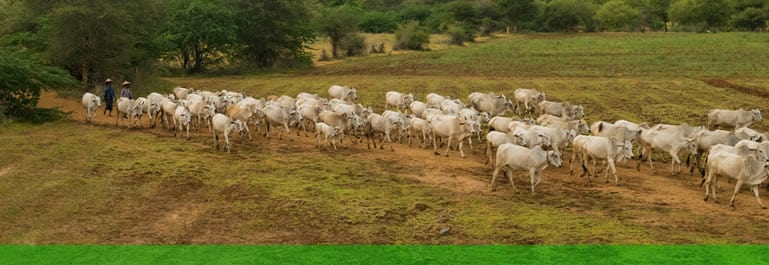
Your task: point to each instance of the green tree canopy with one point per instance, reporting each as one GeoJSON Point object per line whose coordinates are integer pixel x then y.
{"type": "Point", "coordinates": [203, 32]}
{"type": "Point", "coordinates": [337, 23]}
{"type": "Point", "coordinates": [618, 15]}
{"type": "Point", "coordinates": [22, 77]}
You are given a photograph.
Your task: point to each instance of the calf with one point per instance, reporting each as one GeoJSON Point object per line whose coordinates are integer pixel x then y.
{"type": "Point", "coordinates": [323, 130]}
{"type": "Point", "coordinates": [91, 102]}
{"type": "Point", "coordinates": [220, 123]}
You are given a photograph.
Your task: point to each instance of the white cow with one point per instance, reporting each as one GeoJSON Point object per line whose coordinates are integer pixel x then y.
{"type": "Point", "coordinates": [451, 106]}
{"type": "Point", "coordinates": [561, 109]}
{"type": "Point", "coordinates": [451, 128]}
{"type": "Point", "coordinates": [377, 124]}
{"type": "Point", "coordinates": [494, 140]}
{"type": "Point", "coordinates": [732, 118]}
{"type": "Point", "coordinates": [182, 119]}
{"type": "Point", "coordinates": [580, 125]}
{"type": "Point", "coordinates": [181, 92]}
{"type": "Point", "coordinates": [399, 100]}
{"type": "Point", "coordinates": [127, 109]}
{"type": "Point", "coordinates": [705, 139]}
{"type": "Point", "coordinates": [748, 133]}
{"type": "Point", "coordinates": [673, 143]}
{"type": "Point", "coordinates": [417, 127]}
{"type": "Point", "coordinates": [600, 148]}
{"type": "Point", "coordinates": [512, 157]}
{"type": "Point", "coordinates": [277, 115]}
{"type": "Point", "coordinates": [220, 123]}
{"type": "Point", "coordinates": [155, 110]}
{"type": "Point", "coordinates": [91, 102]}
{"type": "Point", "coordinates": [503, 124]}
{"type": "Point", "coordinates": [434, 100]}
{"type": "Point", "coordinates": [750, 170]}
{"type": "Point", "coordinates": [344, 93]}
{"type": "Point", "coordinates": [528, 98]}
{"type": "Point", "coordinates": [310, 114]}
{"type": "Point", "coordinates": [169, 109]}
{"type": "Point", "coordinates": [490, 104]}
{"type": "Point", "coordinates": [323, 130]}
{"type": "Point", "coordinates": [418, 108]}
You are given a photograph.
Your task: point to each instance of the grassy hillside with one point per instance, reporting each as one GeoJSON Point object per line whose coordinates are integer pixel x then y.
{"type": "Point", "coordinates": [66, 182]}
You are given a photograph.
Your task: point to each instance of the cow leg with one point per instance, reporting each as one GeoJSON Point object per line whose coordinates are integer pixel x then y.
{"type": "Point", "coordinates": [758, 199]}
{"type": "Point", "coordinates": [317, 139]}
{"type": "Point", "coordinates": [227, 140]}
{"type": "Point", "coordinates": [435, 144]}
{"type": "Point", "coordinates": [534, 179]}
{"type": "Point", "coordinates": [613, 171]}
{"type": "Point", "coordinates": [510, 174]}
{"type": "Point", "coordinates": [494, 177]}
{"type": "Point", "coordinates": [673, 161]}
{"type": "Point", "coordinates": [736, 189]}
{"type": "Point", "coordinates": [462, 152]}
{"type": "Point", "coordinates": [448, 146]}
{"type": "Point", "coordinates": [707, 186]}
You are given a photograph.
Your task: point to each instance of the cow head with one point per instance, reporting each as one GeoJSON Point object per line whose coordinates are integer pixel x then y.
{"type": "Point", "coordinates": [571, 134]}
{"type": "Point", "coordinates": [484, 117]}
{"type": "Point", "coordinates": [294, 118]}
{"type": "Point", "coordinates": [238, 125]}
{"type": "Point", "coordinates": [554, 158]}
{"type": "Point", "coordinates": [352, 94]}
{"type": "Point", "coordinates": [691, 144]}
{"type": "Point", "coordinates": [96, 101]}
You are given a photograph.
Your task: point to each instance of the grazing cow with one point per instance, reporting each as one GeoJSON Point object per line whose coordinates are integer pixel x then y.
{"type": "Point", "coordinates": [181, 92]}
{"type": "Point", "coordinates": [377, 124]}
{"type": "Point", "coordinates": [323, 130]}
{"type": "Point", "coordinates": [732, 118]}
{"type": "Point", "coordinates": [528, 98]}
{"type": "Point", "coordinates": [512, 157]}
{"type": "Point", "coordinates": [418, 108]}
{"type": "Point", "coordinates": [127, 109]}
{"type": "Point", "coordinates": [451, 128]}
{"type": "Point", "coordinates": [434, 100]}
{"type": "Point", "coordinates": [488, 103]}
{"type": "Point", "coordinates": [673, 143]}
{"type": "Point", "coordinates": [579, 126]}
{"type": "Point", "coordinates": [399, 100]}
{"type": "Point", "coordinates": [561, 109]}
{"type": "Point", "coordinates": [749, 169]}
{"type": "Point", "coordinates": [182, 119]}
{"type": "Point", "coordinates": [343, 92]}
{"type": "Point", "coordinates": [600, 148]}
{"type": "Point", "coordinates": [494, 140]}
{"type": "Point", "coordinates": [225, 125]}
{"type": "Point", "coordinates": [277, 115]}
{"type": "Point", "coordinates": [91, 102]}
{"type": "Point", "coordinates": [417, 127]}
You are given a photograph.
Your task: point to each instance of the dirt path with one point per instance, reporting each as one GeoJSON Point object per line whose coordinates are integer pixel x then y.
{"type": "Point", "coordinates": [650, 199]}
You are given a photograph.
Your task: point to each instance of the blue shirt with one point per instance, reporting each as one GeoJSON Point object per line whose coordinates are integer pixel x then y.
{"type": "Point", "coordinates": [109, 93]}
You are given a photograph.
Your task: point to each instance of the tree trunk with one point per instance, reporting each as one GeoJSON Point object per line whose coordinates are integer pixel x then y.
{"type": "Point", "coordinates": [185, 59]}
{"type": "Point", "coordinates": [84, 74]}
{"type": "Point", "coordinates": [334, 44]}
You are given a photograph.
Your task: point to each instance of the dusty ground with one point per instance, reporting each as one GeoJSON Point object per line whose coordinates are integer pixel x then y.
{"type": "Point", "coordinates": [665, 208]}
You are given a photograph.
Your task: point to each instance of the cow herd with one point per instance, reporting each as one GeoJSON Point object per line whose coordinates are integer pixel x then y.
{"type": "Point", "coordinates": [727, 145]}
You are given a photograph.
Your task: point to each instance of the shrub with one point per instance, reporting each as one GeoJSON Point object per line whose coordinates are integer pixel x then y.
{"type": "Point", "coordinates": [378, 22]}
{"type": "Point", "coordinates": [411, 36]}
{"type": "Point", "coordinates": [457, 34]}
{"type": "Point", "coordinates": [353, 45]}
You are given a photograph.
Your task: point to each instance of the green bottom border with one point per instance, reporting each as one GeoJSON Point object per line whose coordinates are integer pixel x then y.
{"type": "Point", "coordinates": [382, 254]}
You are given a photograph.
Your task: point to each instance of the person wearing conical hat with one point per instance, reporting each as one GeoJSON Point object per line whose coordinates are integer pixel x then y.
{"type": "Point", "coordinates": [109, 96]}
{"type": "Point", "coordinates": [126, 91]}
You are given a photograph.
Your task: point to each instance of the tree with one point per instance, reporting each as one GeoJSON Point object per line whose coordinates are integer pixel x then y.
{"type": "Point", "coordinates": [411, 36]}
{"type": "Point", "coordinates": [337, 23]}
{"type": "Point", "coordinates": [617, 15]}
{"type": "Point", "coordinates": [707, 14]}
{"type": "Point", "coordinates": [568, 15]}
{"type": "Point", "coordinates": [21, 79]}
{"type": "Point", "coordinates": [378, 22]}
{"type": "Point", "coordinates": [516, 12]}
{"type": "Point", "coordinates": [202, 31]}
{"type": "Point", "coordinates": [273, 31]}
{"type": "Point", "coordinates": [750, 19]}
{"type": "Point", "coordinates": [654, 13]}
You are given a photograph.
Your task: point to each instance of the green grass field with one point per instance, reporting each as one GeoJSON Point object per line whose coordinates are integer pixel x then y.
{"type": "Point", "coordinates": [66, 182]}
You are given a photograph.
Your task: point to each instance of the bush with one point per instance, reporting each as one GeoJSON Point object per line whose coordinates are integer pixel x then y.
{"type": "Point", "coordinates": [411, 36]}
{"type": "Point", "coordinates": [457, 34]}
{"type": "Point", "coordinates": [378, 22]}
{"type": "Point", "coordinates": [353, 45]}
